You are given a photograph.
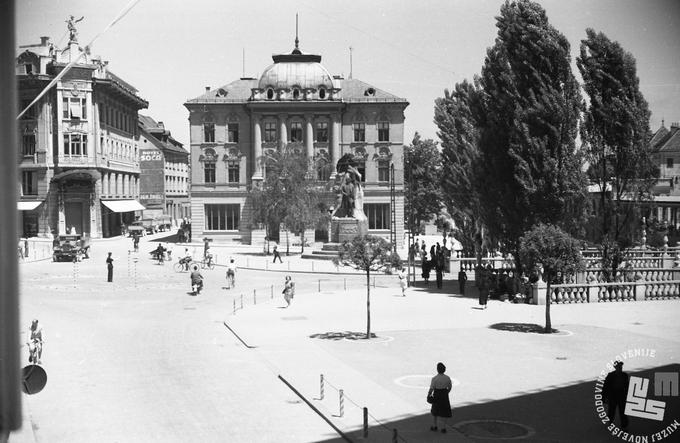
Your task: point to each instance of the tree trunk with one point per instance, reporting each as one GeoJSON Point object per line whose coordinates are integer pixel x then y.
{"type": "Point", "coordinates": [302, 241]}
{"type": "Point", "coordinates": [548, 323]}
{"type": "Point", "coordinates": [368, 304]}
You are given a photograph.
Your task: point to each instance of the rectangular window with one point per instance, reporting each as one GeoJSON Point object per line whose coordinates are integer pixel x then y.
{"type": "Point", "coordinates": [232, 132]}
{"type": "Point", "coordinates": [233, 172]}
{"type": "Point", "coordinates": [75, 144]}
{"type": "Point", "coordinates": [322, 131]}
{"type": "Point", "coordinates": [383, 171]}
{"type": "Point", "coordinates": [209, 172]}
{"type": "Point", "coordinates": [28, 144]}
{"type": "Point", "coordinates": [29, 184]}
{"type": "Point", "coordinates": [296, 132]}
{"type": "Point", "coordinates": [30, 113]}
{"type": "Point", "coordinates": [383, 131]}
{"type": "Point", "coordinates": [359, 132]}
{"type": "Point", "coordinates": [74, 108]}
{"type": "Point", "coordinates": [669, 162]}
{"type": "Point", "coordinates": [269, 131]}
{"type": "Point", "coordinates": [378, 215]}
{"type": "Point", "coordinates": [209, 132]}
{"type": "Point", "coordinates": [222, 217]}
{"type": "Point", "coordinates": [361, 167]}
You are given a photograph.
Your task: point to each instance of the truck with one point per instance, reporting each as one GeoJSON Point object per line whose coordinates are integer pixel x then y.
{"type": "Point", "coordinates": [70, 248]}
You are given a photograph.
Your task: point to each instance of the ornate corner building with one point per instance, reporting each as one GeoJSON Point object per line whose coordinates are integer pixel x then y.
{"type": "Point", "coordinates": [295, 103]}
{"type": "Point", "coordinates": [79, 159]}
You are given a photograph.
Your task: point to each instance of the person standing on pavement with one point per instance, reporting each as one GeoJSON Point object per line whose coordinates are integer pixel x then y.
{"type": "Point", "coordinates": [288, 290]}
{"type": "Point", "coordinates": [277, 255]}
{"type": "Point", "coordinates": [403, 282]}
{"type": "Point", "coordinates": [135, 243]}
{"type": "Point", "coordinates": [439, 268]}
{"type": "Point", "coordinates": [614, 393]}
{"type": "Point", "coordinates": [440, 386]}
{"type": "Point", "coordinates": [109, 267]}
{"type": "Point", "coordinates": [462, 278]}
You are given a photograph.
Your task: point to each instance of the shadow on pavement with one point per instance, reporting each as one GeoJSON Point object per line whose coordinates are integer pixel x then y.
{"type": "Point", "coordinates": [521, 327]}
{"type": "Point", "coordinates": [349, 335]}
{"type": "Point", "coordinates": [555, 414]}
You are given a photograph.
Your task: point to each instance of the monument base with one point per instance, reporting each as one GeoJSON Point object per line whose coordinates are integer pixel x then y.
{"type": "Point", "coordinates": [345, 228]}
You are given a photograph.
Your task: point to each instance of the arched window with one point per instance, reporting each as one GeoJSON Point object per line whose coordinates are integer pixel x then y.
{"type": "Point", "coordinates": [322, 93]}
{"type": "Point", "coordinates": [270, 94]}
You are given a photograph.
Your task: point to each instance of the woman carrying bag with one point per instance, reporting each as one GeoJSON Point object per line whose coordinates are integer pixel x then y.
{"type": "Point", "coordinates": [438, 396]}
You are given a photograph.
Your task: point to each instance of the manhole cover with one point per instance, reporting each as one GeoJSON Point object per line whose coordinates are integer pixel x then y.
{"type": "Point", "coordinates": [494, 429]}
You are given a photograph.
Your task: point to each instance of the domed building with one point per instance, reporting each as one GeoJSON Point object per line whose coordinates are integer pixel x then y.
{"type": "Point", "coordinates": [299, 104]}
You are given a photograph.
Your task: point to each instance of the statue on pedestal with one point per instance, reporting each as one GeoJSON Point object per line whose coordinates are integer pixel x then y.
{"type": "Point", "coordinates": [349, 219]}
{"type": "Point", "coordinates": [73, 32]}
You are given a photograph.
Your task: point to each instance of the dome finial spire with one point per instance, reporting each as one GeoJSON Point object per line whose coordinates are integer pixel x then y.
{"type": "Point", "coordinates": [297, 41]}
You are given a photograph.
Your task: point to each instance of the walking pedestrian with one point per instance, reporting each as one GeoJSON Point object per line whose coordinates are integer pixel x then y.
{"type": "Point", "coordinates": [614, 393]}
{"type": "Point", "coordinates": [462, 278]}
{"type": "Point", "coordinates": [438, 395]}
{"type": "Point", "coordinates": [403, 282]}
{"type": "Point", "coordinates": [135, 243]}
{"type": "Point", "coordinates": [483, 285]}
{"type": "Point", "coordinates": [109, 267]}
{"type": "Point", "coordinates": [288, 290]}
{"type": "Point", "coordinates": [231, 274]}
{"type": "Point", "coordinates": [277, 255]}
{"type": "Point", "coordinates": [439, 269]}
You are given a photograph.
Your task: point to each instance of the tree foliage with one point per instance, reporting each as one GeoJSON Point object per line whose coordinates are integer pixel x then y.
{"type": "Point", "coordinates": [288, 194]}
{"type": "Point", "coordinates": [367, 253]}
{"type": "Point", "coordinates": [531, 101]}
{"type": "Point", "coordinates": [423, 192]}
{"type": "Point", "coordinates": [615, 133]}
{"type": "Point", "coordinates": [554, 250]}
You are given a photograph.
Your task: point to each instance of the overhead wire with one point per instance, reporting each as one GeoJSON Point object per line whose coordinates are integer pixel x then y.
{"type": "Point", "coordinates": [59, 76]}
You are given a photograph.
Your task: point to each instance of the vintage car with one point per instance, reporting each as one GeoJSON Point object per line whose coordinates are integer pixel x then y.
{"type": "Point", "coordinates": [136, 229]}
{"type": "Point", "coordinates": [70, 248]}
{"type": "Point", "coordinates": [163, 222]}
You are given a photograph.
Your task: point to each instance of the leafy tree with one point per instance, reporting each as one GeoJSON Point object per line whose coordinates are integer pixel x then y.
{"type": "Point", "coordinates": [422, 161]}
{"type": "Point", "coordinates": [458, 116]}
{"type": "Point", "coordinates": [367, 253]}
{"type": "Point", "coordinates": [287, 194]}
{"type": "Point", "coordinates": [554, 250]}
{"type": "Point", "coordinates": [616, 135]}
{"type": "Point", "coordinates": [529, 164]}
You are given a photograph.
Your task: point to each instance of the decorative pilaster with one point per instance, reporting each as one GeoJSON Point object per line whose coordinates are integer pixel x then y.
{"type": "Point", "coordinates": [335, 143]}
{"type": "Point", "coordinates": [257, 149]}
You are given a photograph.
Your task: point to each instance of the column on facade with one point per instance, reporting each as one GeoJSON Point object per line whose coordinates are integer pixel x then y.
{"type": "Point", "coordinates": [283, 130]}
{"type": "Point", "coordinates": [257, 148]}
{"type": "Point", "coordinates": [119, 185]}
{"type": "Point", "coordinates": [335, 142]}
{"type": "Point", "coordinates": [309, 139]}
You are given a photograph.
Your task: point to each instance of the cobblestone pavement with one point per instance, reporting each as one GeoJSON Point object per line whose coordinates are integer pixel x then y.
{"type": "Point", "coordinates": [140, 359]}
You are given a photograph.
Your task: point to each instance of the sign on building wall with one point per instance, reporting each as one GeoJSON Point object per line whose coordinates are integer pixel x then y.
{"type": "Point", "coordinates": [151, 178]}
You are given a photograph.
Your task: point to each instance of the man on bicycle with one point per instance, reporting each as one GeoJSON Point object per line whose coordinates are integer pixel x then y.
{"type": "Point", "coordinates": [159, 253]}
{"type": "Point", "coordinates": [186, 259]}
{"type": "Point", "coordinates": [231, 274]}
{"type": "Point", "coordinates": [35, 342]}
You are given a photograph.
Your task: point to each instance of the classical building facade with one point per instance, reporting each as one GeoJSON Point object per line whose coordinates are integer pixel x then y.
{"type": "Point", "coordinates": [666, 155]}
{"type": "Point", "coordinates": [296, 103]}
{"type": "Point", "coordinates": [79, 153]}
{"type": "Point", "coordinates": [164, 171]}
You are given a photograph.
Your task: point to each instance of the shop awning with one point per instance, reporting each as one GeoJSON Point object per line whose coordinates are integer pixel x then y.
{"type": "Point", "coordinates": [123, 205]}
{"type": "Point", "coordinates": [28, 206]}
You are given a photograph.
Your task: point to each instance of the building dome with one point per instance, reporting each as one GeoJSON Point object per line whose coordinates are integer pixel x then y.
{"type": "Point", "coordinates": [296, 71]}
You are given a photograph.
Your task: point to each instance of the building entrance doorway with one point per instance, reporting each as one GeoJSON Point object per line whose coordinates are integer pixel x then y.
{"type": "Point", "coordinates": [75, 217]}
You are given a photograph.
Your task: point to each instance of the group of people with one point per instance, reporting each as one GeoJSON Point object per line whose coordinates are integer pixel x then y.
{"type": "Point", "coordinates": [184, 231]}
{"type": "Point", "coordinates": [501, 283]}
{"type": "Point", "coordinates": [436, 259]}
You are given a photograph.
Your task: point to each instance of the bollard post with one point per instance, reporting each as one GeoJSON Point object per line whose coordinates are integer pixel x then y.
{"type": "Point", "coordinates": [134, 262]}
{"type": "Point", "coordinates": [345, 283]}
{"type": "Point", "coordinates": [319, 285]}
{"type": "Point", "coordinates": [234, 306]}
{"type": "Point", "coordinates": [75, 273]}
{"type": "Point", "coordinates": [241, 301]}
{"type": "Point", "coordinates": [254, 296]}
{"type": "Point", "coordinates": [365, 422]}
{"type": "Point", "coordinates": [342, 402]}
{"type": "Point", "coordinates": [395, 436]}
{"type": "Point", "coordinates": [321, 390]}
{"type": "Point", "coordinates": [128, 263]}
{"type": "Point", "coordinates": [272, 292]}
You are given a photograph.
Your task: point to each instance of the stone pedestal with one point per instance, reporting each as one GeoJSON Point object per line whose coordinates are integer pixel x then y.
{"type": "Point", "coordinates": [345, 228]}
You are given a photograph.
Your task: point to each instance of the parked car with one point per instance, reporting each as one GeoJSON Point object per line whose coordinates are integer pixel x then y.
{"type": "Point", "coordinates": [70, 248]}
{"type": "Point", "coordinates": [136, 228]}
{"type": "Point", "coordinates": [163, 222]}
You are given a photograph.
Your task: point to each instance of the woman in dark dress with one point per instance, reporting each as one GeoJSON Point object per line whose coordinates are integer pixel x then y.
{"type": "Point", "coordinates": [109, 267]}
{"type": "Point", "coordinates": [440, 386]}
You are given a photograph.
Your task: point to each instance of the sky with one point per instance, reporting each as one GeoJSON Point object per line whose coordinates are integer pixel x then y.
{"type": "Point", "coordinates": [170, 50]}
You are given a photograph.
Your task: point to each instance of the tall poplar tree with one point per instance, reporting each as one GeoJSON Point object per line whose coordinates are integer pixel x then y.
{"type": "Point", "coordinates": [530, 166]}
{"type": "Point", "coordinates": [423, 192]}
{"type": "Point", "coordinates": [616, 135]}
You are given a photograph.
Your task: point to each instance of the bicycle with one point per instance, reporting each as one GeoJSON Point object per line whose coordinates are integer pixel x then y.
{"type": "Point", "coordinates": [182, 266]}
{"type": "Point", "coordinates": [207, 263]}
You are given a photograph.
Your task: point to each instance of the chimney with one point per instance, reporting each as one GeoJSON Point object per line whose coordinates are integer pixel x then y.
{"type": "Point", "coordinates": [44, 41]}
{"type": "Point", "coordinates": [207, 89]}
{"type": "Point", "coordinates": [161, 125]}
